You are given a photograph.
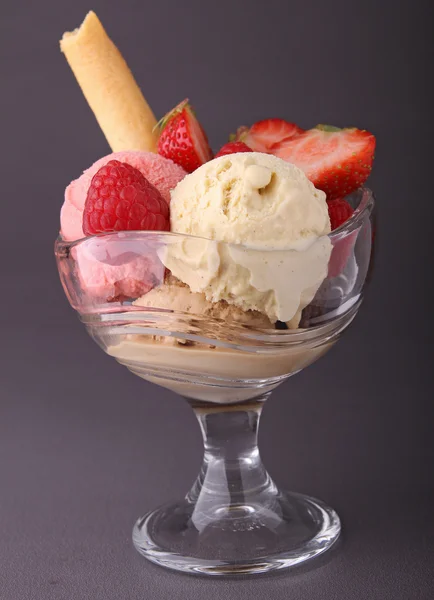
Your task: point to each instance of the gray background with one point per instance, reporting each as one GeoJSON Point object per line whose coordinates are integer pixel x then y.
{"type": "Point", "coordinates": [85, 448]}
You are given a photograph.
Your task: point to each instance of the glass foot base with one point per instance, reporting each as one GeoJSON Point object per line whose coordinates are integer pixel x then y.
{"type": "Point", "coordinates": [244, 538]}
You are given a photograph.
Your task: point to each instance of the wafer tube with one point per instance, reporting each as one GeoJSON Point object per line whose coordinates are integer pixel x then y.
{"type": "Point", "coordinates": [109, 87]}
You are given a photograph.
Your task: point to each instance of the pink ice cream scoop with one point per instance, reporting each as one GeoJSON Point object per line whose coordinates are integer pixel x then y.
{"type": "Point", "coordinates": [111, 269]}
{"type": "Point", "coordinates": [131, 276]}
{"type": "Point", "coordinates": [163, 173]}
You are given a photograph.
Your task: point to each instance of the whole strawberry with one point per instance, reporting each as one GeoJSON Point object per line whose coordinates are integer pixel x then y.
{"type": "Point", "coordinates": [337, 161]}
{"type": "Point", "coordinates": [339, 212]}
{"type": "Point", "coordinates": [182, 138]}
{"type": "Point", "coordinates": [120, 198]}
{"type": "Point", "coordinates": [233, 148]}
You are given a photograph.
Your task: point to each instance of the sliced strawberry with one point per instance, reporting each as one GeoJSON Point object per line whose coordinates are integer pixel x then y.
{"type": "Point", "coordinates": [182, 138]}
{"type": "Point", "coordinates": [263, 135]}
{"type": "Point", "coordinates": [337, 161]}
{"type": "Point", "coordinates": [232, 148]}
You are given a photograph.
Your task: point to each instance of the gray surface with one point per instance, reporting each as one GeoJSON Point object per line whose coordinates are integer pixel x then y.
{"type": "Point", "coordinates": [85, 447]}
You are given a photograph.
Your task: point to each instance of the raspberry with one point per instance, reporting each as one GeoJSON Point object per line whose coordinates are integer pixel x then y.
{"type": "Point", "coordinates": [120, 198]}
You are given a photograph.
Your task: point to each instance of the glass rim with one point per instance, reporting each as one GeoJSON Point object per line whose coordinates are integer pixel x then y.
{"type": "Point", "coordinates": [363, 209]}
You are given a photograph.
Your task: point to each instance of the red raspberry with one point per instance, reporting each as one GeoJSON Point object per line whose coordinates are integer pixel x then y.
{"type": "Point", "coordinates": [120, 198]}
{"type": "Point", "coordinates": [232, 148]}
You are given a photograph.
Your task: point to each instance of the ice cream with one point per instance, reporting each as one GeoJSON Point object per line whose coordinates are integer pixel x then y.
{"type": "Point", "coordinates": [212, 363]}
{"type": "Point", "coordinates": [176, 296]}
{"type": "Point", "coordinates": [101, 277]}
{"type": "Point", "coordinates": [196, 312]}
{"type": "Point", "coordinates": [250, 198]}
{"type": "Point", "coordinates": [110, 271]}
{"type": "Point", "coordinates": [276, 219]}
{"type": "Point", "coordinates": [160, 171]}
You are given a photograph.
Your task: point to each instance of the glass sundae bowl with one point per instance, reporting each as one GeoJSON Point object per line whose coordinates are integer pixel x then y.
{"type": "Point", "coordinates": [225, 362]}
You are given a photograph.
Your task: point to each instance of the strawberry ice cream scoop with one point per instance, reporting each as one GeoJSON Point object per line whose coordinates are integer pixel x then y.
{"type": "Point", "coordinates": [110, 270]}
{"type": "Point", "coordinates": [131, 275]}
{"type": "Point", "coordinates": [163, 173]}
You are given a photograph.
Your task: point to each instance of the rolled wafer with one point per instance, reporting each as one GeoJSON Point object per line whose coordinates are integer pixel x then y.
{"type": "Point", "coordinates": [109, 87]}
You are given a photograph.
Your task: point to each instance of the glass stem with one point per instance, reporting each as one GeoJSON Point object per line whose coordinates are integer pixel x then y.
{"type": "Point", "coordinates": [232, 479]}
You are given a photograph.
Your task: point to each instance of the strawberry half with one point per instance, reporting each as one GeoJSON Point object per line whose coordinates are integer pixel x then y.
{"type": "Point", "coordinates": [263, 135]}
{"type": "Point", "coordinates": [233, 148]}
{"type": "Point", "coordinates": [182, 138]}
{"type": "Point", "coordinates": [337, 161]}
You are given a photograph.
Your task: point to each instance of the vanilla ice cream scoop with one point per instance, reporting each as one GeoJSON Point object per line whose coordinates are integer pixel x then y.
{"type": "Point", "coordinates": [264, 227]}
{"type": "Point", "coordinates": [249, 198]}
